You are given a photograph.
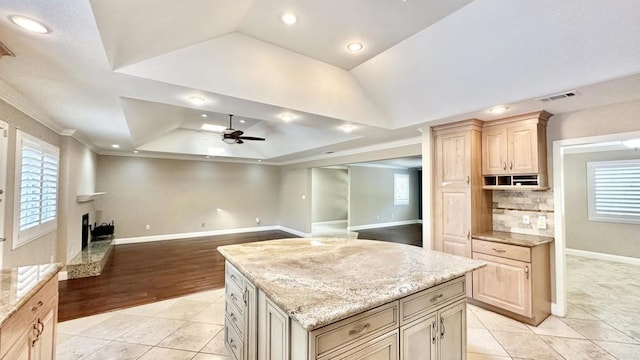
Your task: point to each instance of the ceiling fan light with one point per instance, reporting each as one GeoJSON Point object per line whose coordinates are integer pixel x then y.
{"type": "Point", "coordinates": [228, 140]}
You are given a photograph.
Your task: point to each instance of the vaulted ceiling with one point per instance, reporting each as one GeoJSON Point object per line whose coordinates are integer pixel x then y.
{"type": "Point", "coordinates": [125, 72]}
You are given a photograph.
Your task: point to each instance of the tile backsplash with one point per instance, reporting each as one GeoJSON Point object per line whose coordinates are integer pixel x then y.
{"type": "Point", "coordinates": [510, 206]}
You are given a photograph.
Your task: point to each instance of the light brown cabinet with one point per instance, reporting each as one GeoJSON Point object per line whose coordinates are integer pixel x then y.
{"type": "Point", "coordinates": [515, 146]}
{"type": "Point", "coordinates": [29, 334]}
{"type": "Point", "coordinates": [516, 280]}
{"type": "Point", "coordinates": [461, 206]}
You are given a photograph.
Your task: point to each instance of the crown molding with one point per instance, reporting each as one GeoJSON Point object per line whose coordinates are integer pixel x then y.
{"type": "Point", "coordinates": [14, 98]}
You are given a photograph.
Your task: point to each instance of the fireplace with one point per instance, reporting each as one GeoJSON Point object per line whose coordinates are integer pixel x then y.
{"type": "Point", "coordinates": [85, 230]}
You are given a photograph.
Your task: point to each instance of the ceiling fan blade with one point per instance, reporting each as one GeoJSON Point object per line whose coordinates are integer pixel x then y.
{"type": "Point", "coordinates": [251, 138]}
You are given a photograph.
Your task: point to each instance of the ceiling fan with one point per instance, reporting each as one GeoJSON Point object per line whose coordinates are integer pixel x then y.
{"type": "Point", "coordinates": [233, 136]}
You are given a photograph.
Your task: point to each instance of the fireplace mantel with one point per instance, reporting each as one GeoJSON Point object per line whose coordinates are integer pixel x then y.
{"type": "Point", "coordinates": [88, 197]}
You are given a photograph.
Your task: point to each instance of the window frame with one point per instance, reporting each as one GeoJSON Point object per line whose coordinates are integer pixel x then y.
{"type": "Point", "coordinates": [593, 215]}
{"type": "Point", "coordinates": [22, 237]}
{"type": "Point", "coordinates": [398, 179]}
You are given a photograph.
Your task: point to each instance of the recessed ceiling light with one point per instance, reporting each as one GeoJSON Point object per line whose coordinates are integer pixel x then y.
{"type": "Point", "coordinates": [242, 121]}
{"type": "Point", "coordinates": [259, 160]}
{"type": "Point", "coordinates": [211, 127]}
{"type": "Point", "coordinates": [135, 151]}
{"type": "Point", "coordinates": [115, 146]}
{"type": "Point", "coordinates": [347, 128]}
{"type": "Point", "coordinates": [356, 46]}
{"type": "Point", "coordinates": [204, 115]}
{"type": "Point", "coordinates": [197, 100]}
{"type": "Point", "coordinates": [287, 117]}
{"type": "Point", "coordinates": [498, 109]}
{"type": "Point", "coordinates": [29, 24]}
{"type": "Point", "coordinates": [289, 18]}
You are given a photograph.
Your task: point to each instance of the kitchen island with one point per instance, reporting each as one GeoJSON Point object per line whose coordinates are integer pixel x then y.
{"type": "Point", "coordinates": [299, 299]}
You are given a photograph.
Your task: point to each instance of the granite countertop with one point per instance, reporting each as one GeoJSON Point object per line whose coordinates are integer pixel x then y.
{"type": "Point", "coordinates": [319, 281]}
{"type": "Point", "coordinates": [19, 284]}
{"type": "Point", "coordinates": [513, 238]}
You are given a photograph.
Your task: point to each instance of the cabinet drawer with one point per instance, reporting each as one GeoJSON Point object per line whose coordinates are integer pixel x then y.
{"type": "Point", "coordinates": [235, 296]}
{"type": "Point", "coordinates": [234, 317]}
{"type": "Point", "coordinates": [232, 274]}
{"type": "Point", "coordinates": [26, 315]}
{"type": "Point", "coordinates": [521, 253]}
{"type": "Point", "coordinates": [348, 331]}
{"type": "Point", "coordinates": [233, 342]}
{"type": "Point", "coordinates": [426, 301]}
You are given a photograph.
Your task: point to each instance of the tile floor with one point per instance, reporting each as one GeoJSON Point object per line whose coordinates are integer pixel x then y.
{"type": "Point", "coordinates": [603, 323]}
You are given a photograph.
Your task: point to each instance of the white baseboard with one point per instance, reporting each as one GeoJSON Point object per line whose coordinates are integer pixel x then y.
{"type": "Point", "coordinates": [294, 232]}
{"type": "Point", "coordinates": [63, 275]}
{"type": "Point", "coordinates": [332, 222]}
{"type": "Point", "coordinates": [382, 225]}
{"type": "Point", "coordinates": [143, 239]}
{"type": "Point", "coordinates": [603, 256]}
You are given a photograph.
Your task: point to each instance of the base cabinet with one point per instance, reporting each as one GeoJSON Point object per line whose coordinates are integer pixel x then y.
{"type": "Point", "coordinates": [428, 325]}
{"type": "Point", "coordinates": [30, 333]}
{"type": "Point", "coordinates": [240, 315]}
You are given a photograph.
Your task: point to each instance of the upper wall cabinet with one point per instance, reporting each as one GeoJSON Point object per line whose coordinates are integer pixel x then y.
{"type": "Point", "coordinates": [514, 152]}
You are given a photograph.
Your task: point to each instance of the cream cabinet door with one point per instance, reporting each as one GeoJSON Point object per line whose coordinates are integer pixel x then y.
{"type": "Point", "coordinates": [250, 320]}
{"type": "Point", "coordinates": [523, 149]}
{"type": "Point", "coordinates": [453, 157]}
{"type": "Point", "coordinates": [494, 151]}
{"type": "Point", "coordinates": [4, 139]}
{"type": "Point", "coordinates": [418, 341]}
{"type": "Point", "coordinates": [382, 348]}
{"type": "Point", "coordinates": [453, 223]}
{"type": "Point", "coordinates": [274, 334]}
{"type": "Point", "coordinates": [504, 283]}
{"type": "Point", "coordinates": [452, 327]}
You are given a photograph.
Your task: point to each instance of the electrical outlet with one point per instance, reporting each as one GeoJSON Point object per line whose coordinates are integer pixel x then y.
{"type": "Point", "coordinates": [203, 224]}
{"type": "Point", "coordinates": [51, 259]}
{"type": "Point", "coordinates": [258, 220]}
{"type": "Point", "coordinates": [525, 219]}
{"type": "Point", "coordinates": [542, 222]}
{"type": "Point", "coordinates": [147, 227]}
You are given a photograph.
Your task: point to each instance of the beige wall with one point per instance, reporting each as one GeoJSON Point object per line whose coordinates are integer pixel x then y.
{"type": "Point", "coordinates": [595, 236]}
{"type": "Point", "coordinates": [177, 196]}
{"type": "Point", "coordinates": [329, 194]}
{"type": "Point", "coordinates": [78, 166]}
{"type": "Point", "coordinates": [295, 202]}
{"type": "Point", "coordinates": [371, 196]}
{"type": "Point", "coordinates": [41, 249]}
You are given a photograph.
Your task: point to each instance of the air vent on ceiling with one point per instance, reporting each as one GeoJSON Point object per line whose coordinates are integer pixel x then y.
{"type": "Point", "coordinates": [563, 95]}
{"type": "Point", "coordinates": [4, 50]}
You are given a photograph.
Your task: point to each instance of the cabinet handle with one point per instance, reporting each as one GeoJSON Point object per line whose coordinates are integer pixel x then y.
{"type": "Point", "coordinates": [234, 318]}
{"type": "Point", "coordinates": [441, 328]}
{"type": "Point", "coordinates": [436, 298]}
{"type": "Point", "coordinates": [40, 327]}
{"type": "Point", "coordinates": [234, 297]}
{"type": "Point", "coordinates": [37, 306]}
{"type": "Point", "coordinates": [233, 277]}
{"type": "Point", "coordinates": [469, 235]}
{"type": "Point", "coordinates": [499, 250]}
{"type": "Point", "coordinates": [433, 332]}
{"type": "Point", "coordinates": [233, 344]}
{"type": "Point", "coordinates": [526, 272]}
{"type": "Point", "coordinates": [468, 180]}
{"type": "Point", "coordinates": [510, 165]}
{"type": "Point", "coordinates": [36, 335]}
{"type": "Point", "coordinates": [245, 297]}
{"type": "Point", "coordinates": [504, 167]}
{"type": "Point", "coordinates": [364, 328]}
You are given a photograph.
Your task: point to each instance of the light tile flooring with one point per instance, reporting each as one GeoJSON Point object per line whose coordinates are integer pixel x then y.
{"type": "Point", "coordinates": [603, 323]}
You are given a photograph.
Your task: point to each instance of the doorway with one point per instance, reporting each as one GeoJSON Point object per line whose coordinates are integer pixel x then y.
{"type": "Point", "coordinates": [561, 148]}
{"type": "Point", "coordinates": [4, 134]}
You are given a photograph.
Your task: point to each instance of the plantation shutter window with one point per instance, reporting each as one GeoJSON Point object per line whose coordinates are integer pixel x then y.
{"type": "Point", "coordinates": [614, 191]}
{"type": "Point", "coordinates": [37, 165]}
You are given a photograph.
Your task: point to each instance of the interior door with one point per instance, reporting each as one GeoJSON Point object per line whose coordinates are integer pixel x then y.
{"type": "Point", "coordinates": [4, 137]}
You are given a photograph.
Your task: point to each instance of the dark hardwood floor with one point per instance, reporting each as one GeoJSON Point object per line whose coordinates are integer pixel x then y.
{"type": "Point", "coordinates": [138, 274]}
{"type": "Point", "coordinates": [404, 234]}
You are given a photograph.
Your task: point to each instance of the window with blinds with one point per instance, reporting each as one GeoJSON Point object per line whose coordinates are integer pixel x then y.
{"type": "Point", "coordinates": [614, 191]}
{"type": "Point", "coordinates": [37, 193]}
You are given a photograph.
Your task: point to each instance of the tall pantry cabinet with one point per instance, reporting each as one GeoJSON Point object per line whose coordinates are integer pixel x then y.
{"type": "Point", "coordinates": [461, 206]}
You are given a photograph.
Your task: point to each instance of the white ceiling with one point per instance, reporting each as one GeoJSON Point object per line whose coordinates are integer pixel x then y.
{"type": "Point", "coordinates": [121, 71]}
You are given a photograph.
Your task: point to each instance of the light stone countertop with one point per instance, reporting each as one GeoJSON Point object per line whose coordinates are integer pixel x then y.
{"type": "Point", "coordinates": [513, 238]}
{"type": "Point", "coordinates": [19, 284]}
{"type": "Point", "coordinates": [318, 281]}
